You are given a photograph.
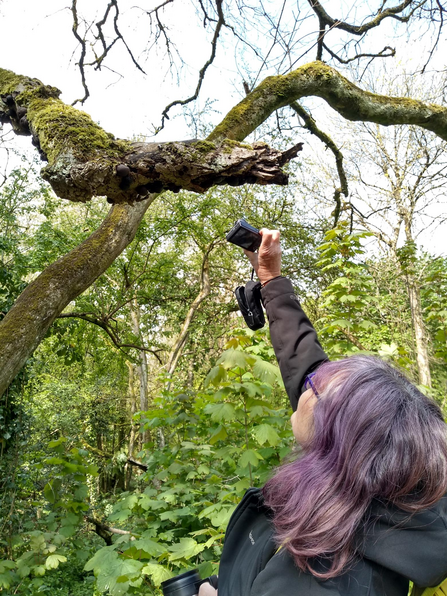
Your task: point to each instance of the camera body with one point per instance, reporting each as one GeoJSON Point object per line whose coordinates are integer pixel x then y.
{"type": "Point", "coordinates": [186, 584]}
{"type": "Point", "coordinates": [244, 235]}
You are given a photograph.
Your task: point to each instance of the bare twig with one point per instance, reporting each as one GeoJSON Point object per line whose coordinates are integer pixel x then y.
{"type": "Point", "coordinates": [81, 63]}
{"type": "Point", "coordinates": [104, 324]}
{"type": "Point", "coordinates": [182, 102]}
{"type": "Point", "coordinates": [312, 127]}
{"type": "Point", "coordinates": [381, 54]}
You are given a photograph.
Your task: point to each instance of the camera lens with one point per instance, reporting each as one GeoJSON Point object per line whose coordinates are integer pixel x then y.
{"type": "Point", "coordinates": [182, 585]}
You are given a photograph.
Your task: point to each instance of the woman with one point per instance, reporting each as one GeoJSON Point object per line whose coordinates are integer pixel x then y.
{"type": "Point", "coordinates": [362, 511]}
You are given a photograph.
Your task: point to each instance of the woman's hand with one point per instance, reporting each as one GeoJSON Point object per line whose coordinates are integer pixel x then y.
{"type": "Point", "coordinates": [207, 590]}
{"type": "Point", "coordinates": [267, 261]}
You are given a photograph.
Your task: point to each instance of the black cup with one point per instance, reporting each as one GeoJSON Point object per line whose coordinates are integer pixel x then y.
{"type": "Point", "coordinates": [186, 584]}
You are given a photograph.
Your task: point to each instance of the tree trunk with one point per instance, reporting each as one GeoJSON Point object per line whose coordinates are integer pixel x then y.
{"type": "Point", "coordinates": [84, 161]}
{"type": "Point", "coordinates": [204, 291]}
{"type": "Point", "coordinates": [133, 409]}
{"type": "Point", "coordinates": [141, 368]}
{"type": "Point", "coordinates": [26, 324]}
{"type": "Point", "coordinates": [420, 335]}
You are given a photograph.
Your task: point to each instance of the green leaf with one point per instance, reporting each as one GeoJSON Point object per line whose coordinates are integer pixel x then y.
{"type": "Point", "coordinates": [68, 531]}
{"type": "Point", "coordinates": [252, 389]}
{"type": "Point", "coordinates": [267, 372]}
{"type": "Point", "coordinates": [219, 412]}
{"type": "Point", "coordinates": [249, 457]}
{"type": "Point", "coordinates": [51, 490]}
{"type": "Point", "coordinates": [7, 565]}
{"type": "Point", "coordinates": [104, 557]}
{"type": "Point", "coordinates": [215, 376]}
{"type": "Point", "coordinates": [235, 358]}
{"type": "Point", "coordinates": [116, 578]}
{"type": "Point", "coordinates": [157, 573]}
{"type": "Point", "coordinates": [220, 434]}
{"type": "Point", "coordinates": [185, 549]}
{"type": "Point", "coordinates": [6, 579]}
{"type": "Point", "coordinates": [53, 561]}
{"type": "Point", "coordinates": [81, 493]}
{"type": "Point", "coordinates": [242, 485]}
{"type": "Point", "coordinates": [265, 433]}
{"type": "Point", "coordinates": [57, 443]}
{"type": "Point", "coordinates": [145, 547]}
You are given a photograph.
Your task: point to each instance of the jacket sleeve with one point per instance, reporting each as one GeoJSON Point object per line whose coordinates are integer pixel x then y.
{"type": "Point", "coordinates": [294, 338]}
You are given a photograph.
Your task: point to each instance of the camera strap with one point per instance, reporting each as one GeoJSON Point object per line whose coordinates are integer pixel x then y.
{"type": "Point", "coordinates": [250, 303]}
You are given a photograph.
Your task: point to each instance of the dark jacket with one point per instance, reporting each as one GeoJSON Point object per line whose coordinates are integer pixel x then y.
{"type": "Point", "coordinates": [396, 548]}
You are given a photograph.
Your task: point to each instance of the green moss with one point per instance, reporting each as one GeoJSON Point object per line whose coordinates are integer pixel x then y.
{"type": "Point", "coordinates": [229, 144]}
{"type": "Point", "coordinates": [63, 129]}
{"type": "Point", "coordinates": [204, 146]}
{"type": "Point", "coordinates": [9, 81]}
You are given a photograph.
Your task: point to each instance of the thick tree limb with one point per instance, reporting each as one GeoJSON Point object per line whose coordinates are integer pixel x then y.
{"type": "Point", "coordinates": [85, 161]}
{"type": "Point", "coordinates": [26, 324]}
{"type": "Point", "coordinates": [320, 80]}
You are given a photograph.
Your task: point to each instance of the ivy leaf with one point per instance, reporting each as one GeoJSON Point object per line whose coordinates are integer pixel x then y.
{"type": "Point", "coordinates": [265, 433]}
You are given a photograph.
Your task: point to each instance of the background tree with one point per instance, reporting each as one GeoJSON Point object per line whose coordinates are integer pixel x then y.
{"type": "Point", "coordinates": [137, 424]}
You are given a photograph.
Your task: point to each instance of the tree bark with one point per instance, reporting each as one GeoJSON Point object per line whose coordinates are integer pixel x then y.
{"type": "Point", "coordinates": [142, 368]}
{"type": "Point", "coordinates": [420, 335]}
{"type": "Point", "coordinates": [26, 324]}
{"type": "Point", "coordinates": [84, 161]}
{"type": "Point", "coordinates": [204, 291]}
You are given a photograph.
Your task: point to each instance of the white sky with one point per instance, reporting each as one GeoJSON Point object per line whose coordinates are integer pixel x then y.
{"type": "Point", "coordinates": [36, 40]}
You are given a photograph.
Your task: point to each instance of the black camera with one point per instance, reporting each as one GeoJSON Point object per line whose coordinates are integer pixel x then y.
{"type": "Point", "coordinates": [244, 235]}
{"type": "Point", "coordinates": [186, 584]}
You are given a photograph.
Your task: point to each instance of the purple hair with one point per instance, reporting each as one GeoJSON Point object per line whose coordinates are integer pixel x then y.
{"type": "Point", "coordinates": [375, 436]}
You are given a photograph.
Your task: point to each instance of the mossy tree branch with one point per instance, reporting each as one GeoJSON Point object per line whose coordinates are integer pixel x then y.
{"type": "Point", "coordinates": [26, 324]}
{"type": "Point", "coordinates": [85, 161]}
{"type": "Point", "coordinates": [320, 80]}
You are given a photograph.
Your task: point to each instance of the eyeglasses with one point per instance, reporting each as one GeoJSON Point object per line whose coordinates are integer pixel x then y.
{"type": "Point", "coordinates": [308, 384]}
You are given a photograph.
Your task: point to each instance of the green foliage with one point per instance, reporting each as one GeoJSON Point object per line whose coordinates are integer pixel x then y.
{"type": "Point", "coordinates": [207, 447]}
{"type": "Point", "coordinates": [349, 302]}
{"type": "Point", "coordinates": [49, 536]}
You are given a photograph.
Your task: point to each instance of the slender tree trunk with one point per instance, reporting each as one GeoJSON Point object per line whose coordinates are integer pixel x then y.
{"type": "Point", "coordinates": [26, 324]}
{"type": "Point", "coordinates": [133, 409]}
{"type": "Point", "coordinates": [204, 291]}
{"type": "Point", "coordinates": [420, 335]}
{"type": "Point", "coordinates": [142, 367]}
